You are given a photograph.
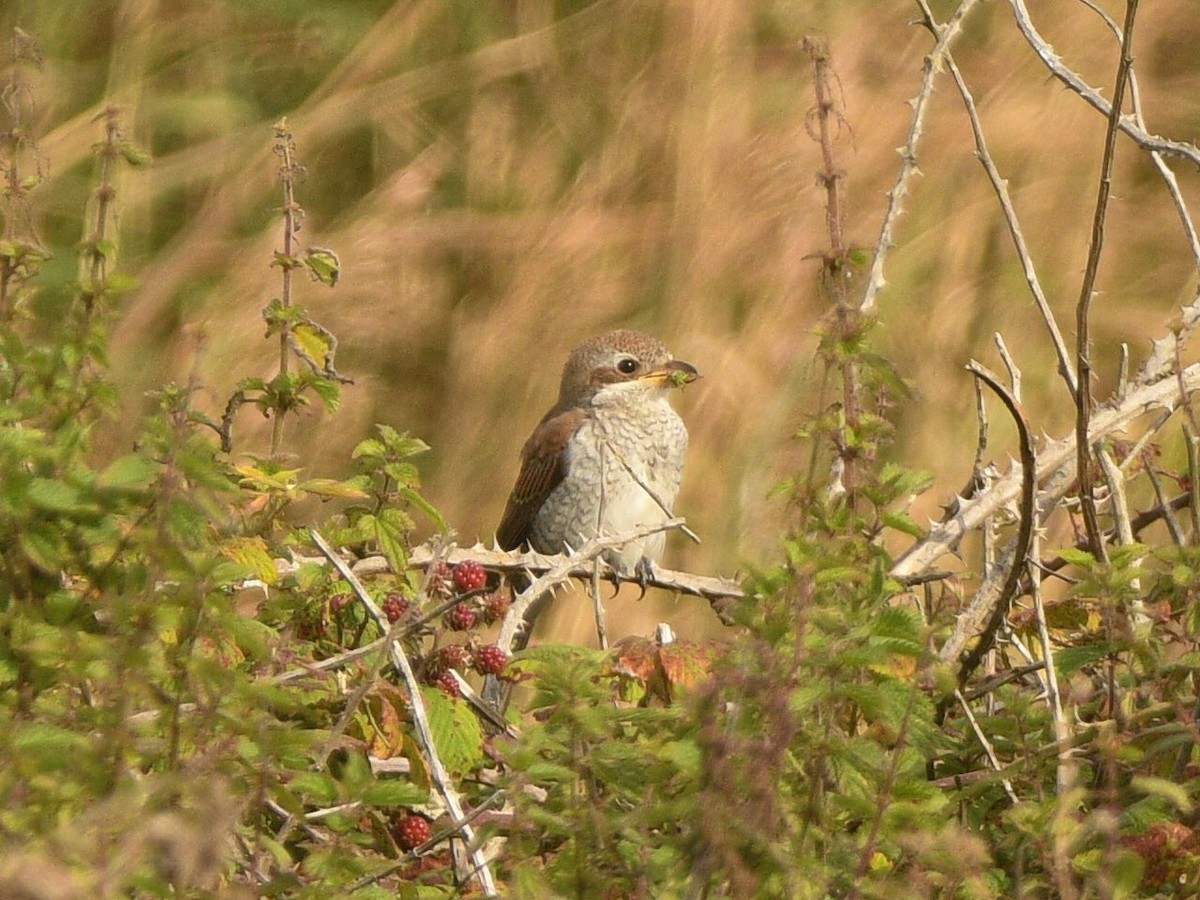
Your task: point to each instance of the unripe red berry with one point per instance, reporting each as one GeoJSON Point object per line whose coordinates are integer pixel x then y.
{"type": "Point", "coordinates": [461, 618]}
{"type": "Point", "coordinates": [440, 578]}
{"type": "Point", "coordinates": [494, 607]}
{"type": "Point", "coordinates": [490, 660]}
{"type": "Point", "coordinates": [453, 656]}
{"type": "Point", "coordinates": [469, 576]}
{"type": "Point", "coordinates": [395, 606]}
{"type": "Point", "coordinates": [412, 831]}
{"type": "Point", "coordinates": [448, 685]}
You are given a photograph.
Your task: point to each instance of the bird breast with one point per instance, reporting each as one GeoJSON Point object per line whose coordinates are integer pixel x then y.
{"type": "Point", "coordinates": [624, 465]}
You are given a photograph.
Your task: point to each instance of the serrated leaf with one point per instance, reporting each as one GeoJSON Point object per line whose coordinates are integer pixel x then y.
{"type": "Point", "coordinates": [1076, 557]}
{"type": "Point", "coordinates": [251, 553]}
{"type": "Point", "coordinates": [55, 496]}
{"type": "Point", "coordinates": [316, 787]}
{"type": "Point", "coordinates": [128, 473]}
{"type": "Point", "coordinates": [371, 447]}
{"type": "Point", "coordinates": [323, 264]}
{"type": "Point", "coordinates": [456, 732]}
{"type": "Point", "coordinates": [331, 487]}
{"type": "Point", "coordinates": [838, 573]}
{"type": "Point", "coordinates": [1069, 660]}
{"type": "Point", "coordinates": [392, 792]}
{"type": "Point", "coordinates": [392, 542]}
{"type": "Point", "coordinates": [42, 547]}
{"type": "Point", "coordinates": [314, 344]}
{"type": "Point", "coordinates": [903, 522]}
{"type": "Point", "coordinates": [328, 390]}
{"type": "Point", "coordinates": [1173, 793]}
{"type": "Point", "coordinates": [252, 637]}
{"type": "Point", "coordinates": [48, 746]}
{"type": "Point", "coordinates": [425, 506]}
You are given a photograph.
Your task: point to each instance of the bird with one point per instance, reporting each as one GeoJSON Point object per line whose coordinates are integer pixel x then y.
{"type": "Point", "coordinates": [606, 458]}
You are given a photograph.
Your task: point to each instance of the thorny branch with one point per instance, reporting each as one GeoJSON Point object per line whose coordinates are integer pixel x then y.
{"type": "Point", "coordinates": [721, 593]}
{"type": "Point", "coordinates": [1083, 350]}
{"type": "Point", "coordinates": [1126, 124]}
{"type": "Point", "coordinates": [1000, 186]}
{"type": "Point", "coordinates": [908, 168]}
{"type": "Point", "coordinates": [437, 770]}
{"type": "Point", "coordinates": [1055, 471]}
{"type": "Point", "coordinates": [969, 660]}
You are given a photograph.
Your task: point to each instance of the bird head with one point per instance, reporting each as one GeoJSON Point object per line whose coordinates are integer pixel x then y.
{"type": "Point", "coordinates": [621, 366]}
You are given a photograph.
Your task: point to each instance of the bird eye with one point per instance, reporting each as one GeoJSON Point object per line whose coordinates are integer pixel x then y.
{"type": "Point", "coordinates": [627, 366]}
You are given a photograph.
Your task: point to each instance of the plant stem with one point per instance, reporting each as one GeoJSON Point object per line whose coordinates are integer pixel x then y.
{"type": "Point", "coordinates": [1083, 362]}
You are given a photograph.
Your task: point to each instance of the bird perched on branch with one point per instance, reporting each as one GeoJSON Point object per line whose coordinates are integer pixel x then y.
{"type": "Point", "coordinates": [607, 457]}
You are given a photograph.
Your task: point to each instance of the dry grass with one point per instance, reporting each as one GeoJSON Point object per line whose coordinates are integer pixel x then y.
{"type": "Point", "coordinates": [500, 185]}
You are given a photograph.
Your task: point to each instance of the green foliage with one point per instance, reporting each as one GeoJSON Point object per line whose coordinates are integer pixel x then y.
{"type": "Point", "coordinates": [132, 676]}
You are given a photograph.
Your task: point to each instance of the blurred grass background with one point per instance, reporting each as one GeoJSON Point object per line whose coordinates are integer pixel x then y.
{"type": "Point", "coordinates": [504, 179]}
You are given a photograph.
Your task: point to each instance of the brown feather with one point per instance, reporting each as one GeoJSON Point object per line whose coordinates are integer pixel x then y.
{"type": "Point", "coordinates": [542, 468]}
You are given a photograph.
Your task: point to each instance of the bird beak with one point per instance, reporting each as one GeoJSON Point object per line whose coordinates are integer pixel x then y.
{"type": "Point", "coordinates": [676, 373]}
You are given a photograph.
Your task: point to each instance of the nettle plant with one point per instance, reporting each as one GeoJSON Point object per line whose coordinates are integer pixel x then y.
{"type": "Point", "coordinates": [175, 694]}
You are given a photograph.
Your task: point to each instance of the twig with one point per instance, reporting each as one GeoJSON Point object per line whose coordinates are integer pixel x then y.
{"type": "Point", "coordinates": [969, 659]}
{"type": "Point", "coordinates": [1193, 454]}
{"type": "Point", "coordinates": [721, 593]}
{"type": "Point", "coordinates": [1092, 96]}
{"type": "Point", "coordinates": [437, 770]}
{"type": "Point", "coordinates": [1066, 772]}
{"type": "Point", "coordinates": [1014, 371]}
{"type": "Point", "coordinates": [1000, 186]}
{"type": "Point", "coordinates": [566, 569]}
{"type": "Point", "coordinates": [598, 607]}
{"type": "Point", "coordinates": [1055, 472]}
{"type": "Point", "coordinates": [1119, 506]}
{"type": "Point", "coordinates": [991, 684]}
{"type": "Point", "coordinates": [908, 155]}
{"type": "Point", "coordinates": [289, 171]}
{"type": "Point", "coordinates": [1168, 177]}
{"type": "Point", "coordinates": [1163, 502]}
{"type": "Point", "coordinates": [1083, 347]}
{"type": "Point", "coordinates": [988, 750]}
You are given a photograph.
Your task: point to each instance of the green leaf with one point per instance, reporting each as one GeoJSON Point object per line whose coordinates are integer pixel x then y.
{"type": "Point", "coordinates": [1070, 660]}
{"type": "Point", "coordinates": [42, 546]}
{"type": "Point", "coordinates": [392, 792]}
{"type": "Point", "coordinates": [251, 554]}
{"type": "Point", "coordinates": [371, 447]}
{"type": "Point", "coordinates": [331, 487]}
{"type": "Point", "coordinates": [323, 264]}
{"type": "Point", "coordinates": [315, 787]}
{"type": "Point", "coordinates": [313, 344]}
{"type": "Point", "coordinates": [129, 473]}
{"type": "Point", "coordinates": [328, 390]}
{"type": "Point", "coordinates": [56, 496]}
{"type": "Point", "coordinates": [424, 506]}
{"type": "Point", "coordinates": [1080, 558]}
{"type": "Point", "coordinates": [252, 637]}
{"type": "Point", "coordinates": [1175, 794]}
{"type": "Point", "coordinates": [838, 573]}
{"type": "Point", "coordinates": [903, 522]}
{"type": "Point", "coordinates": [456, 731]}
{"type": "Point", "coordinates": [48, 747]}
{"type": "Point", "coordinates": [392, 541]}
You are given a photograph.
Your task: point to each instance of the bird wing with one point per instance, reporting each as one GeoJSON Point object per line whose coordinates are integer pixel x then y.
{"type": "Point", "coordinates": [543, 466]}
